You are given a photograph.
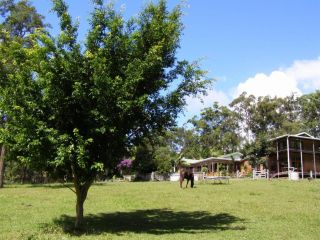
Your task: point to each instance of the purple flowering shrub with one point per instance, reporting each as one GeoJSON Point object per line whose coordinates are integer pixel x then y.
{"type": "Point", "coordinates": [125, 166]}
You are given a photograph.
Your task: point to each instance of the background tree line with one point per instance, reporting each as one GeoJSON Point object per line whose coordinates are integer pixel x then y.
{"type": "Point", "coordinates": [245, 125]}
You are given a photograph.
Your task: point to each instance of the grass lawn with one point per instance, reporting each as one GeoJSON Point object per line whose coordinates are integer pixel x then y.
{"type": "Point", "coordinates": [243, 209]}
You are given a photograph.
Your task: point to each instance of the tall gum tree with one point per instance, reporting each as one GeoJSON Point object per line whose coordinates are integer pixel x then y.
{"type": "Point", "coordinates": [82, 107]}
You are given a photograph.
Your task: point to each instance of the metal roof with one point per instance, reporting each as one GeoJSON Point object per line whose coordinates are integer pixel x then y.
{"type": "Point", "coordinates": [302, 135]}
{"type": "Point", "coordinates": [221, 159]}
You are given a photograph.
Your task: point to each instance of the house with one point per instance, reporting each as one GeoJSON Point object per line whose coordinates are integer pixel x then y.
{"type": "Point", "coordinates": [298, 153]}
{"type": "Point", "coordinates": [215, 165]}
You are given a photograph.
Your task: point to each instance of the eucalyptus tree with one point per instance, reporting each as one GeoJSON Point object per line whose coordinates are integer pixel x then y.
{"type": "Point", "coordinates": [266, 115]}
{"type": "Point", "coordinates": [187, 142]}
{"type": "Point", "coordinates": [310, 112]}
{"type": "Point", "coordinates": [20, 18]}
{"type": "Point", "coordinates": [218, 130]}
{"type": "Point", "coordinates": [82, 107]}
{"type": "Point", "coordinates": [244, 108]}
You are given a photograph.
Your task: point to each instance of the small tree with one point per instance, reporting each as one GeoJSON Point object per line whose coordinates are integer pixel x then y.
{"type": "Point", "coordinates": [82, 108]}
{"type": "Point", "coordinates": [204, 170]}
{"type": "Point", "coordinates": [144, 158]}
{"type": "Point", "coordinates": [258, 151]}
{"type": "Point", "coordinates": [164, 157]}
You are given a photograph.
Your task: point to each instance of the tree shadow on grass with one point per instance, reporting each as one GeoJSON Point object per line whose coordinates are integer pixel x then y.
{"type": "Point", "coordinates": [153, 221]}
{"type": "Point", "coordinates": [48, 185]}
{"type": "Point", "coordinates": [59, 185]}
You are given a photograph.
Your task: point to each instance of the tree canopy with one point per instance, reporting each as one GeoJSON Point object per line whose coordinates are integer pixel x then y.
{"type": "Point", "coordinates": [82, 107]}
{"type": "Point", "coordinates": [217, 130]}
{"type": "Point", "coordinates": [18, 20]}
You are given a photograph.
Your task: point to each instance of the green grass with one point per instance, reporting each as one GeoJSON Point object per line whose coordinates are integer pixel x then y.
{"type": "Point", "coordinates": [243, 209]}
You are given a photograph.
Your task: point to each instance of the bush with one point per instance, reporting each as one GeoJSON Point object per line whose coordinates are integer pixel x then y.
{"type": "Point", "coordinates": [125, 166]}
{"type": "Point", "coordinates": [204, 169]}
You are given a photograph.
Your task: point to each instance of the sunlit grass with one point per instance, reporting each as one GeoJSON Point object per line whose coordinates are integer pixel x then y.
{"type": "Point", "coordinates": [243, 209]}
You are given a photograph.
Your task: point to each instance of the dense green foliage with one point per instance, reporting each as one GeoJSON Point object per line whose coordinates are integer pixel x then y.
{"type": "Point", "coordinates": [82, 108]}
{"type": "Point", "coordinates": [18, 20]}
{"type": "Point", "coordinates": [217, 130]}
{"type": "Point", "coordinates": [154, 154]}
{"type": "Point", "coordinates": [310, 111]}
{"type": "Point", "coordinates": [264, 118]}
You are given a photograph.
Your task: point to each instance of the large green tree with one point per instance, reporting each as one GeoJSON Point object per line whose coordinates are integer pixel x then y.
{"type": "Point", "coordinates": [262, 118]}
{"type": "Point", "coordinates": [82, 107]}
{"type": "Point", "coordinates": [218, 131]}
{"type": "Point", "coordinates": [18, 20]}
{"type": "Point", "coordinates": [310, 112]}
{"type": "Point", "coordinates": [186, 142]}
{"type": "Point", "coordinates": [266, 115]}
{"type": "Point", "coordinates": [243, 106]}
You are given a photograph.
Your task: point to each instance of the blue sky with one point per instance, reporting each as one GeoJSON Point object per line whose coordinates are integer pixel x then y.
{"type": "Point", "coordinates": [264, 47]}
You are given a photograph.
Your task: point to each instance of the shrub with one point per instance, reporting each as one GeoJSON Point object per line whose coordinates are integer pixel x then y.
{"type": "Point", "coordinates": [125, 166]}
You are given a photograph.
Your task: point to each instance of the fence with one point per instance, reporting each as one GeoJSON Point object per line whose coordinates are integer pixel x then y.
{"type": "Point", "coordinates": [260, 174]}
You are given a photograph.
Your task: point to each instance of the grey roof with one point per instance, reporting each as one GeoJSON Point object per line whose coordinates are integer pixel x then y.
{"type": "Point", "coordinates": [237, 157]}
{"type": "Point", "coordinates": [302, 135]}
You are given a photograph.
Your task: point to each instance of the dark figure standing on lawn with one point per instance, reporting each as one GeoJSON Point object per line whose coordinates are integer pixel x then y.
{"type": "Point", "coordinates": [186, 174]}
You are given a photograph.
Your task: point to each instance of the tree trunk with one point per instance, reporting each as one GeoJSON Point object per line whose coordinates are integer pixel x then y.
{"type": "Point", "coordinates": [24, 173]}
{"type": "Point", "coordinates": [81, 193]}
{"type": "Point", "coordinates": [3, 150]}
{"type": "Point", "coordinates": [79, 212]}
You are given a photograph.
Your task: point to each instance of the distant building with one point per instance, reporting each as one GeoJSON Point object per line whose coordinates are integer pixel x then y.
{"type": "Point", "coordinates": [230, 163]}
{"type": "Point", "coordinates": [295, 153]}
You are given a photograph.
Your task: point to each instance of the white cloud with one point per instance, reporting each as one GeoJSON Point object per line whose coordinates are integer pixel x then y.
{"type": "Point", "coordinates": [195, 105]}
{"type": "Point", "coordinates": [307, 73]}
{"type": "Point", "coordinates": [303, 76]}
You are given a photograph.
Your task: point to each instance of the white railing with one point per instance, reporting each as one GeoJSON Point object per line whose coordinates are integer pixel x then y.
{"type": "Point", "coordinates": [260, 174]}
